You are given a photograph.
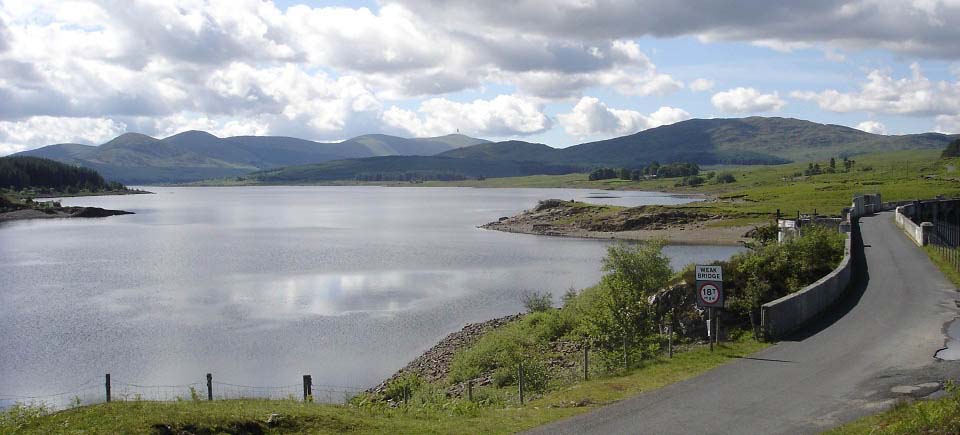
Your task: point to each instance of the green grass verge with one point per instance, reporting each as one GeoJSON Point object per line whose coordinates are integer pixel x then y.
{"type": "Point", "coordinates": [941, 262]}
{"type": "Point", "coordinates": [939, 416]}
{"type": "Point", "coordinates": [455, 416]}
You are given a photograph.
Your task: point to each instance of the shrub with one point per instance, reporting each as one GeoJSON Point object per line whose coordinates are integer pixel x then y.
{"type": "Point", "coordinates": [537, 301]}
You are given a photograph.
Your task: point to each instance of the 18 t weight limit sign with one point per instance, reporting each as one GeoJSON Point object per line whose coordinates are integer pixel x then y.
{"type": "Point", "coordinates": [709, 286]}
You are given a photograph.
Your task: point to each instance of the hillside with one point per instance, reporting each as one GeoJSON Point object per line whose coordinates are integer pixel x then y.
{"type": "Point", "coordinates": [510, 150]}
{"type": "Point", "coordinates": [21, 173]}
{"type": "Point", "coordinates": [754, 140]}
{"type": "Point", "coordinates": [407, 168]}
{"type": "Point", "coordinates": [194, 155]}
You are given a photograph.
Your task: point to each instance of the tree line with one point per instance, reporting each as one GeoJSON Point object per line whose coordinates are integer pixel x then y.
{"type": "Point", "coordinates": [655, 169]}
{"type": "Point", "coordinates": [412, 176]}
{"type": "Point", "coordinates": [23, 172]}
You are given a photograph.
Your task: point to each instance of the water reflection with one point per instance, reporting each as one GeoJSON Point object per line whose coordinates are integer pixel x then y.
{"type": "Point", "coordinates": [262, 285]}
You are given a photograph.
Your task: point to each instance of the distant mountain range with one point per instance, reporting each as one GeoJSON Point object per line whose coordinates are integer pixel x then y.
{"type": "Point", "coordinates": [134, 158]}
{"type": "Point", "coordinates": [195, 155]}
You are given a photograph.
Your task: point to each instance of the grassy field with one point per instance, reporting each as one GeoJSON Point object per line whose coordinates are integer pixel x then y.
{"type": "Point", "coordinates": [764, 189]}
{"type": "Point", "coordinates": [441, 417]}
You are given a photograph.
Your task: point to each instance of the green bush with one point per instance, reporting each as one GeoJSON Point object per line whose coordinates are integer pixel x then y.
{"type": "Point", "coordinates": [537, 301]}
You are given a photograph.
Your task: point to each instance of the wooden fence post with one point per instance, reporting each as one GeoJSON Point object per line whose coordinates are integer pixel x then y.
{"type": "Point", "coordinates": [307, 388]}
{"type": "Point", "coordinates": [586, 361]}
{"type": "Point", "coordinates": [209, 386]}
{"type": "Point", "coordinates": [520, 381]}
{"type": "Point", "coordinates": [470, 390]}
{"type": "Point", "coordinates": [107, 385]}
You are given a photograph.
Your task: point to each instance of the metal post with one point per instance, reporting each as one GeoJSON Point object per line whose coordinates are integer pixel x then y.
{"type": "Point", "coordinates": [710, 321]}
{"type": "Point", "coordinates": [520, 381]}
{"type": "Point", "coordinates": [107, 385]}
{"type": "Point", "coordinates": [307, 388]}
{"type": "Point", "coordinates": [209, 386]}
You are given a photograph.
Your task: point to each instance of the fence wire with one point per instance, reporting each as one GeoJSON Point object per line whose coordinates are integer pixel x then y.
{"type": "Point", "coordinates": [94, 391]}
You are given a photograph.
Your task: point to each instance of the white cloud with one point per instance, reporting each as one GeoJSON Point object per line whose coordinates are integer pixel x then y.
{"type": "Point", "coordinates": [874, 127]}
{"type": "Point", "coordinates": [919, 28]}
{"type": "Point", "coordinates": [746, 100]}
{"type": "Point", "coordinates": [882, 93]}
{"type": "Point", "coordinates": [171, 125]}
{"type": "Point", "coordinates": [591, 117]}
{"type": "Point", "coordinates": [781, 45]}
{"type": "Point", "coordinates": [37, 131]}
{"type": "Point", "coordinates": [503, 116]}
{"type": "Point", "coordinates": [949, 124]}
{"type": "Point", "coordinates": [701, 85]}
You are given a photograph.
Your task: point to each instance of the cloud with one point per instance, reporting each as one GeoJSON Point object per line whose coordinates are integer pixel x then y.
{"type": "Point", "coordinates": [16, 136]}
{"type": "Point", "coordinates": [701, 85]}
{"type": "Point", "coordinates": [746, 100]}
{"type": "Point", "coordinates": [171, 125]}
{"type": "Point", "coordinates": [949, 124]}
{"type": "Point", "coordinates": [872, 127]}
{"type": "Point", "coordinates": [591, 117]}
{"type": "Point", "coordinates": [913, 28]}
{"type": "Point", "coordinates": [503, 116]}
{"type": "Point", "coordinates": [882, 93]}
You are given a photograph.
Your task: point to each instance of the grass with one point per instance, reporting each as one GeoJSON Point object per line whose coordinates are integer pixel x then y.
{"type": "Point", "coordinates": [941, 262]}
{"type": "Point", "coordinates": [454, 417]}
{"type": "Point", "coordinates": [938, 416]}
{"type": "Point", "coordinates": [897, 175]}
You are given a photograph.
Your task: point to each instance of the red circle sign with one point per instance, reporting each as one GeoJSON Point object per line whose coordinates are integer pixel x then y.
{"type": "Point", "coordinates": [709, 293]}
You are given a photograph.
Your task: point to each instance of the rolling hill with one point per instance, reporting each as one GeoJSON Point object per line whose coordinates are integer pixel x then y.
{"type": "Point", "coordinates": [195, 155]}
{"type": "Point", "coordinates": [391, 168]}
{"type": "Point", "coordinates": [753, 140]}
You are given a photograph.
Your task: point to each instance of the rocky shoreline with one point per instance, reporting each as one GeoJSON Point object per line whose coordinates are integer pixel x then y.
{"type": "Point", "coordinates": [434, 364]}
{"type": "Point", "coordinates": [554, 217]}
{"type": "Point", "coordinates": [59, 213]}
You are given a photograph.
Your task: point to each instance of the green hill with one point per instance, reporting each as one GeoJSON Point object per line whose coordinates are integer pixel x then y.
{"type": "Point", "coordinates": [754, 140]}
{"type": "Point", "coordinates": [407, 168]}
{"type": "Point", "coordinates": [509, 150]}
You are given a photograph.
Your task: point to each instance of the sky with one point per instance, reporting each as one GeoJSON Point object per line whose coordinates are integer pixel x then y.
{"type": "Point", "coordinates": [559, 72]}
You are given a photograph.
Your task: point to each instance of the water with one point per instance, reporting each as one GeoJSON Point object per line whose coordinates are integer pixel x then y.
{"type": "Point", "coordinates": [261, 285]}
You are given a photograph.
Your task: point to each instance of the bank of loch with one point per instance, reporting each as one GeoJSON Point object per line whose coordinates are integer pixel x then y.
{"type": "Point", "coordinates": [685, 226]}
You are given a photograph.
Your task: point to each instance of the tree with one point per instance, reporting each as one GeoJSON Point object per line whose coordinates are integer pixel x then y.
{"type": "Point", "coordinates": [953, 150]}
{"type": "Point", "coordinates": [622, 318]}
{"type": "Point", "coordinates": [833, 163]}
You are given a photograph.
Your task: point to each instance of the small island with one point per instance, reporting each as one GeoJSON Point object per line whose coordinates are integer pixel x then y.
{"type": "Point", "coordinates": [24, 178]}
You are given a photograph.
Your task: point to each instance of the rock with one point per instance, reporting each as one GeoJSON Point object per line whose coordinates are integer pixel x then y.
{"type": "Point", "coordinates": [93, 212]}
{"type": "Point", "coordinates": [434, 364]}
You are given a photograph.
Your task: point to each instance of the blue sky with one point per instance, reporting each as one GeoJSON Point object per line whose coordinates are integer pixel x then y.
{"type": "Point", "coordinates": [555, 72]}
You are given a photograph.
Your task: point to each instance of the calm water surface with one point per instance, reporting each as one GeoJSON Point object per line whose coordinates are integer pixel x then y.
{"type": "Point", "coordinates": [261, 285]}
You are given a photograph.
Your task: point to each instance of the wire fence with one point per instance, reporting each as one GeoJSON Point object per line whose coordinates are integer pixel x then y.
{"type": "Point", "coordinates": [101, 390]}
{"type": "Point", "coordinates": [945, 237]}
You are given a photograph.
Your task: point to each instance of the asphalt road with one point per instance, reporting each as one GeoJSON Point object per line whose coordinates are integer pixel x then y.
{"type": "Point", "coordinates": [884, 334]}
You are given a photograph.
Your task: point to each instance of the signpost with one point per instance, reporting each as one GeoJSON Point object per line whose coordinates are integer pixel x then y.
{"type": "Point", "coordinates": [710, 296]}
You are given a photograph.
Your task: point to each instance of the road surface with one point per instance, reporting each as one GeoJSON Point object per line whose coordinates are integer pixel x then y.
{"type": "Point", "coordinates": [883, 335]}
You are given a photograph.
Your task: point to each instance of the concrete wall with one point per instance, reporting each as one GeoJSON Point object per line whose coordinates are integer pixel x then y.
{"type": "Point", "coordinates": [912, 230]}
{"type": "Point", "coordinates": [788, 313]}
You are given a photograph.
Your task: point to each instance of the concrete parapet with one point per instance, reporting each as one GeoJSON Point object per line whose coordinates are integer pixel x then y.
{"type": "Point", "coordinates": [912, 230]}
{"type": "Point", "coordinates": [788, 313]}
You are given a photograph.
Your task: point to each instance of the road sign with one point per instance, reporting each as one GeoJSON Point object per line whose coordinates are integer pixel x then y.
{"type": "Point", "coordinates": [709, 273]}
{"type": "Point", "coordinates": [710, 293]}
{"type": "Point", "coordinates": [709, 286]}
